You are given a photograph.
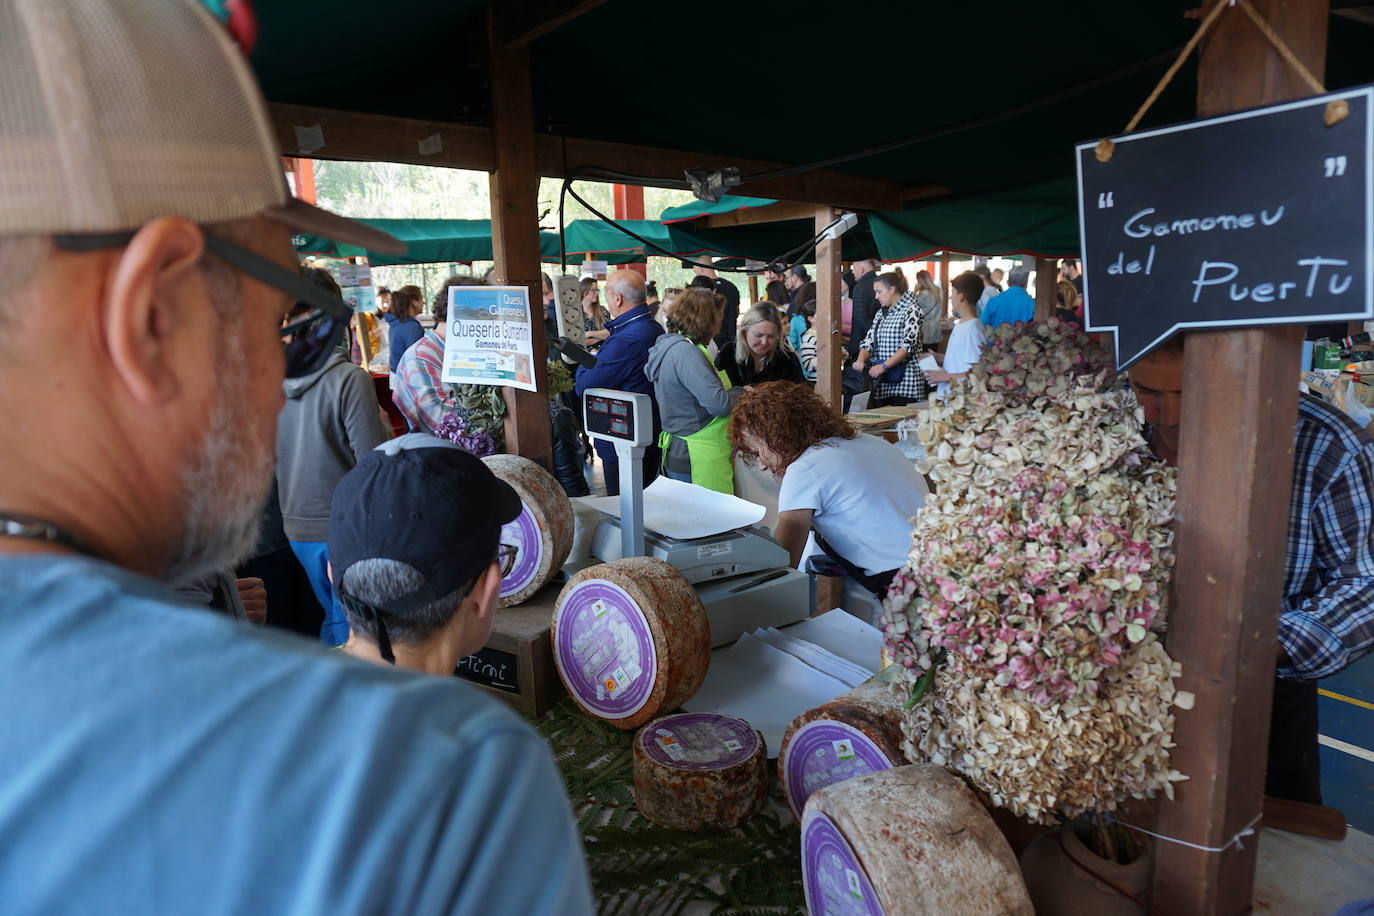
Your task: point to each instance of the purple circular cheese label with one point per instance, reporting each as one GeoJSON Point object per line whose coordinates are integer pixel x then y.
{"type": "Point", "coordinates": [699, 741]}
{"type": "Point", "coordinates": [824, 752]}
{"type": "Point", "coordinates": [834, 880]}
{"type": "Point", "coordinates": [605, 650]}
{"type": "Point", "coordinates": [524, 534]}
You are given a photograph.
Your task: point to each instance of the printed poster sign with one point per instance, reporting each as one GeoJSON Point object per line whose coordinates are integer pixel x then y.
{"type": "Point", "coordinates": [489, 339]}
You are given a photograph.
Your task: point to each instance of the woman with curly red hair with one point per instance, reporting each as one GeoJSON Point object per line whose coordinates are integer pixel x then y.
{"type": "Point", "coordinates": [857, 493]}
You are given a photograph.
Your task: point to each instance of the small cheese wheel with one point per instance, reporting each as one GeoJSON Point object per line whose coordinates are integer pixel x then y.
{"type": "Point", "coordinates": [631, 640]}
{"type": "Point", "coordinates": [907, 841]}
{"type": "Point", "coordinates": [543, 532]}
{"type": "Point", "coordinates": [700, 771]}
{"type": "Point", "coordinates": [856, 733]}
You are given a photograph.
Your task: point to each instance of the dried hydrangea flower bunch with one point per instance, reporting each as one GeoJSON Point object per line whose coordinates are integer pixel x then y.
{"type": "Point", "coordinates": [1037, 572]}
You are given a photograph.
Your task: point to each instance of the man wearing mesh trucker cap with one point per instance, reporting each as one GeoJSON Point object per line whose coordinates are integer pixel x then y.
{"type": "Point", "coordinates": [155, 758]}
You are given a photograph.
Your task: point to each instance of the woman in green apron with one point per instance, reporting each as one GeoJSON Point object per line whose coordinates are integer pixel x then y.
{"type": "Point", "coordinates": [694, 399]}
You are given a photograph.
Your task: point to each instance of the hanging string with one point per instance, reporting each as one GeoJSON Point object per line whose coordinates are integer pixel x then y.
{"type": "Point", "coordinates": [1235, 841]}
{"type": "Point", "coordinates": [1336, 110]}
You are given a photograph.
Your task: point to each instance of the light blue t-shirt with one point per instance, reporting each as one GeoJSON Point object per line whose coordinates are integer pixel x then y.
{"type": "Point", "coordinates": [159, 758]}
{"type": "Point", "coordinates": [1008, 308]}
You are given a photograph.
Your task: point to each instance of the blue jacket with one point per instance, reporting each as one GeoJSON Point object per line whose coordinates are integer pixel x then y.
{"type": "Point", "coordinates": [404, 334]}
{"type": "Point", "coordinates": [621, 359]}
{"type": "Point", "coordinates": [1008, 308]}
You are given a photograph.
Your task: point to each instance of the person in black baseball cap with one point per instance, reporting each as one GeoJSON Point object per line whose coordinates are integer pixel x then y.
{"type": "Point", "coordinates": [414, 545]}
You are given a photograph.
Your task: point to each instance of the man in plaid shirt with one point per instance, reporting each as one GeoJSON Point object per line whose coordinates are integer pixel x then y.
{"type": "Point", "coordinates": [1327, 620]}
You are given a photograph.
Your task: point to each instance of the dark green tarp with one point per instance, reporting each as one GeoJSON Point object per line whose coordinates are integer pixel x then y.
{"type": "Point", "coordinates": [1038, 220]}
{"type": "Point", "coordinates": [1004, 115]}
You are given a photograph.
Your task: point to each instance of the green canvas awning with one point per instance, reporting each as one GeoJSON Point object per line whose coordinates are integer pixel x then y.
{"type": "Point", "coordinates": [1039, 220]}
{"type": "Point", "coordinates": [428, 241]}
{"type": "Point", "coordinates": [699, 208]}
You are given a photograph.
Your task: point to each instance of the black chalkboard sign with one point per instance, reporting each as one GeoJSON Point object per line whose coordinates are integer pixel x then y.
{"type": "Point", "coordinates": [1252, 218]}
{"type": "Point", "coordinates": [492, 668]}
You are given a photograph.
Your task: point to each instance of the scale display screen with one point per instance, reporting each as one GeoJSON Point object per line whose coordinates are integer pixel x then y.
{"type": "Point", "coordinates": [610, 417]}
{"type": "Point", "coordinates": [624, 416]}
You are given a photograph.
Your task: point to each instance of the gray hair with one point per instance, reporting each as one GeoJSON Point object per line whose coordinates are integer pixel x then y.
{"type": "Point", "coordinates": [633, 293]}
{"type": "Point", "coordinates": [377, 581]}
{"type": "Point", "coordinates": [1018, 276]}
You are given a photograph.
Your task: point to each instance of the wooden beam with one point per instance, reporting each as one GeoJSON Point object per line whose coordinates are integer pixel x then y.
{"type": "Point", "coordinates": [522, 21]}
{"type": "Point", "coordinates": [322, 133]}
{"type": "Point", "coordinates": [750, 216]}
{"type": "Point", "coordinates": [515, 236]}
{"type": "Point", "coordinates": [1046, 287]}
{"type": "Point", "coordinates": [829, 342]}
{"type": "Point", "coordinates": [1236, 458]}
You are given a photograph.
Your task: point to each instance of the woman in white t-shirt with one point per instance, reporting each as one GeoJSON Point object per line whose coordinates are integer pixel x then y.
{"type": "Point", "coordinates": [966, 341]}
{"type": "Point", "coordinates": [857, 493]}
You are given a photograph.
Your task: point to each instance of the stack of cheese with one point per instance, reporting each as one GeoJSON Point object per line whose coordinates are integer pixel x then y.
{"type": "Point", "coordinates": [907, 841]}
{"type": "Point", "coordinates": [856, 733]}
{"type": "Point", "coordinates": [543, 534]}
{"type": "Point", "coordinates": [631, 640]}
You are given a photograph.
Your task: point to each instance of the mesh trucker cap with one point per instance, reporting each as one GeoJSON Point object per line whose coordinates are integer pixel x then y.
{"type": "Point", "coordinates": [115, 112]}
{"type": "Point", "coordinates": [425, 502]}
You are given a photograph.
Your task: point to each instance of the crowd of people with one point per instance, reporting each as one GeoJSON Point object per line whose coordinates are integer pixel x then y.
{"type": "Point", "coordinates": [160, 757]}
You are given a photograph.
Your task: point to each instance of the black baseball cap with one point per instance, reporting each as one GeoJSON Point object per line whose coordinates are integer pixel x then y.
{"type": "Point", "coordinates": [427, 503]}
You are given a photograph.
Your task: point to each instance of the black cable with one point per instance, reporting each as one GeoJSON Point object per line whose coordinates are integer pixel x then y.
{"type": "Point", "coordinates": [805, 248]}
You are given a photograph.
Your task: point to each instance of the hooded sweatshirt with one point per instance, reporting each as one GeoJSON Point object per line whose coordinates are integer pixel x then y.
{"type": "Point", "coordinates": [331, 419]}
{"type": "Point", "coordinates": [688, 391]}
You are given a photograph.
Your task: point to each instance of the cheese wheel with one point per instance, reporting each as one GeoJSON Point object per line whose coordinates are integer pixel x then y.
{"type": "Point", "coordinates": [543, 532]}
{"type": "Point", "coordinates": [631, 640]}
{"type": "Point", "coordinates": [907, 842]}
{"type": "Point", "coordinates": [700, 771]}
{"type": "Point", "coordinates": [856, 733]}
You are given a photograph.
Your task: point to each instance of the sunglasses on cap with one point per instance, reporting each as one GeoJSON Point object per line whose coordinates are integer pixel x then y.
{"type": "Point", "coordinates": [505, 559]}
{"type": "Point", "coordinates": [307, 340]}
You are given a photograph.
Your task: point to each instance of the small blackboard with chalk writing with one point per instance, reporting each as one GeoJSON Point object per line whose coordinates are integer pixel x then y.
{"type": "Point", "coordinates": [492, 668]}
{"type": "Point", "coordinates": [1251, 218]}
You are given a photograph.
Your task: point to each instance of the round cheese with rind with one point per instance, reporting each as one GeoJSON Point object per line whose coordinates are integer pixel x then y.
{"type": "Point", "coordinates": [631, 640]}
{"type": "Point", "coordinates": [543, 533]}
{"type": "Point", "coordinates": [858, 732]}
{"type": "Point", "coordinates": [908, 841]}
{"type": "Point", "coordinates": [700, 771]}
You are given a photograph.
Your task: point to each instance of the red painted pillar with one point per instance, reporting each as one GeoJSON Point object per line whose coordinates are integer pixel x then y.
{"type": "Point", "coordinates": [629, 204]}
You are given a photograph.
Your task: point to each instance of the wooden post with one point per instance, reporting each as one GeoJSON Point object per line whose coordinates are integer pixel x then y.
{"type": "Point", "coordinates": [829, 344]}
{"type": "Point", "coordinates": [629, 204]}
{"type": "Point", "coordinates": [1236, 459]}
{"type": "Point", "coordinates": [1045, 288]}
{"type": "Point", "coordinates": [515, 234]}
{"type": "Point", "coordinates": [944, 282]}
{"type": "Point", "coordinates": [753, 288]}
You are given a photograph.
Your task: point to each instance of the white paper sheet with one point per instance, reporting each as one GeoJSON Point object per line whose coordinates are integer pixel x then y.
{"type": "Point", "coordinates": [823, 660]}
{"type": "Point", "coordinates": [685, 511]}
{"type": "Point", "coordinates": [844, 635]}
{"type": "Point", "coordinates": [928, 364]}
{"type": "Point", "coordinates": [764, 686]}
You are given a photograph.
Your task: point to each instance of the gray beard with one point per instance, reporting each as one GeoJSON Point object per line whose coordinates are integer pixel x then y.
{"type": "Point", "coordinates": [225, 485]}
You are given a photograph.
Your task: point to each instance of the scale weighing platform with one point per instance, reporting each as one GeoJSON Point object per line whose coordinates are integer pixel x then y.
{"type": "Point", "coordinates": [743, 576]}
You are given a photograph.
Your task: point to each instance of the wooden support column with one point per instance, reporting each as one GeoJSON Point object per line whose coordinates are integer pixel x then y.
{"type": "Point", "coordinates": [515, 234]}
{"type": "Point", "coordinates": [944, 282]}
{"type": "Point", "coordinates": [629, 204]}
{"type": "Point", "coordinates": [1046, 272]}
{"type": "Point", "coordinates": [753, 288]}
{"type": "Point", "coordinates": [829, 349]}
{"type": "Point", "coordinates": [1236, 459]}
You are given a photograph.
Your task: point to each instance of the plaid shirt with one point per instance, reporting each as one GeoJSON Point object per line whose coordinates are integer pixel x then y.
{"type": "Point", "coordinates": [1328, 595]}
{"type": "Point", "coordinates": [421, 394]}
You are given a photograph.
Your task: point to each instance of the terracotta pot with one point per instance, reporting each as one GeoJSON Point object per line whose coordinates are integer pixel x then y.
{"type": "Point", "coordinates": [1058, 887]}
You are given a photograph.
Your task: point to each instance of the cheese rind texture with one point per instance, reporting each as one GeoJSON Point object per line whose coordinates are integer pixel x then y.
{"type": "Point", "coordinates": [543, 534]}
{"type": "Point", "coordinates": [700, 771]}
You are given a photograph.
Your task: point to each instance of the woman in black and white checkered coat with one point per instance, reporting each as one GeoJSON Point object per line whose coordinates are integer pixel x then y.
{"type": "Point", "coordinates": [892, 340]}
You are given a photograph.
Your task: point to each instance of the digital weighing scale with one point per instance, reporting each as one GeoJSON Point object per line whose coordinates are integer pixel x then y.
{"type": "Point", "coordinates": [743, 576]}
